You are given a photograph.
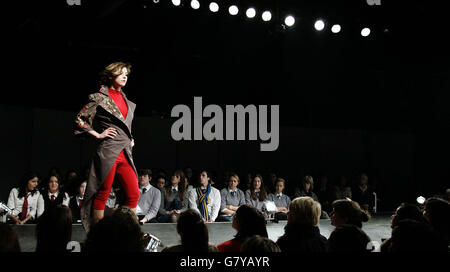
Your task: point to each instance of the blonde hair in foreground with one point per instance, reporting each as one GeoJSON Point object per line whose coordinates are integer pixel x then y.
{"type": "Point", "coordinates": [304, 211]}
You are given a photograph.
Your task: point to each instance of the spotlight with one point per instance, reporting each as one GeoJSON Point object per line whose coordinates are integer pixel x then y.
{"type": "Point", "coordinates": [156, 1]}
{"type": "Point", "coordinates": [319, 25]}
{"type": "Point", "coordinates": [266, 16]}
{"type": "Point", "coordinates": [176, 2]}
{"type": "Point", "coordinates": [251, 12]}
{"type": "Point", "coordinates": [336, 28]}
{"type": "Point", "coordinates": [233, 10]}
{"type": "Point", "coordinates": [420, 200]}
{"type": "Point", "coordinates": [214, 7]}
{"type": "Point", "coordinates": [195, 4]}
{"type": "Point", "coordinates": [290, 20]}
{"type": "Point", "coordinates": [365, 32]}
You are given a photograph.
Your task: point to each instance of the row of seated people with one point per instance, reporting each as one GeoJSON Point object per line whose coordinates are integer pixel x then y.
{"type": "Point", "coordinates": [412, 230]}
{"type": "Point", "coordinates": [163, 201]}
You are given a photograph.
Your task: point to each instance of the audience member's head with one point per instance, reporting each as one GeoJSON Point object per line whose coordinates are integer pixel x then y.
{"type": "Point", "coordinates": [280, 185]}
{"type": "Point", "coordinates": [413, 236]}
{"type": "Point", "coordinates": [233, 181]}
{"type": "Point", "coordinates": [81, 188]}
{"type": "Point", "coordinates": [119, 231]}
{"type": "Point", "coordinates": [347, 211]}
{"type": "Point", "coordinates": [28, 183]}
{"type": "Point", "coordinates": [248, 221]}
{"type": "Point", "coordinates": [304, 211]}
{"type": "Point", "coordinates": [257, 185]}
{"type": "Point", "coordinates": [259, 244]}
{"type": "Point", "coordinates": [9, 241]}
{"type": "Point", "coordinates": [407, 211]}
{"type": "Point", "coordinates": [160, 182]}
{"type": "Point", "coordinates": [307, 184]}
{"type": "Point", "coordinates": [53, 183]}
{"type": "Point", "coordinates": [54, 229]}
{"type": "Point", "coordinates": [348, 238]}
{"type": "Point", "coordinates": [145, 176]}
{"type": "Point", "coordinates": [193, 232]}
{"type": "Point", "coordinates": [437, 213]}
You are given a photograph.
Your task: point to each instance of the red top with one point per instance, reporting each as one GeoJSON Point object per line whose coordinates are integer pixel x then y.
{"type": "Point", "coordinates": [229, 246]}
{"type": "Point", "coordinates": [120, 102]}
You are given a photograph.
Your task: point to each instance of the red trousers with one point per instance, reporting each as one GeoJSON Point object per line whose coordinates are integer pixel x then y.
{"type": "Point", "coordinates": [128, 180]}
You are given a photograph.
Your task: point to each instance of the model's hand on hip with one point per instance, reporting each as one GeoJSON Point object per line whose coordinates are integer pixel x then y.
{"type": "Point", "coordinates": [109, 132]}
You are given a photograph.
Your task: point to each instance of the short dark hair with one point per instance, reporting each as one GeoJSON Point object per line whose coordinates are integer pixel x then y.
{"type": "Point", "coordinates": [54, 229]}
{"type": "Point", "coordinates": [143, 172]}
{"type": "Point", "coordinates": [251, 222]}
{"type": "Point", "coordinates": [193, 231]}
{"type": "Point", "coordinates": [9, 241]}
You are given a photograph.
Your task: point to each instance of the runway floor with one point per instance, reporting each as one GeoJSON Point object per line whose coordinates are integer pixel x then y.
{"type": "Point", "coordinates": [377, 228]}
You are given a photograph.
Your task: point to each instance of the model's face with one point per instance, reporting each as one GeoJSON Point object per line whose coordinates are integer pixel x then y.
{"type": "Point", "coordinates": [53, 185]}
{"type": "Point", "coordinates": [279, 187]}
{"type": "Point", "coordinates": [121, 80]}
{"type": "Point", "coordinates": [144, 180]}
{"type": "Point", "coordinates": [32, 183]}
{"type": "Point", "coordinates": [233, 183]}
{"type": "Point", "coordinates": [204, 179]}
{"type": "Point", "coordinates": [257, 183]}
{"type": "Point", "coordinates": [161, 183]}
{"type": "Point", "coordinates": [82, 189]}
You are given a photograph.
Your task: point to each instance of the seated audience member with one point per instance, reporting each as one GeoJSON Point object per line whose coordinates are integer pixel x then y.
{"type": "Point", "coordinates": [413, 236]}
{"type": "Point", "coordinates": [71, 182]}
{"type": "Point", "coordinates": [160, 182]}
{"type": "Point", "coordinates": [205, 199]}
{"type": "Point", "coordinates": [348, 238]}
{"type": "Point", "coordinates": [437, 213]}
{"type": "Point", "coordinates": [259, 244]}
{"type": "Point", "coordinates": [325, 194]}
{"type": "Point", "coordinates": [257, 194]}
{"type": "Point", "coordinates": [117, 232]}
{"type": "Point", "coordinates": [193, 233]}
{"type": "Point", "coordinates": [54, 229]}
{"type": "Point", "coordinates": [447, 195]}
{"type": "Point", "coordinates": [404, 211]}
{"type": "Point", "coordinates": [346, 211]}
{"type": "Point", "coordinates": [231, 199]}
{"type": "Point", "coordinates": [301, 233]}
{"type": "Point", "coordinates": [281, 200]}
{"type": "Point", "coordinates": [149, 199]}
{"type": "Point", "coordinates": [52, 194]}
{"type": "Point", "coordinates": [363, 194]}
{"type": "Point", "coordinates": [175, 200]}
{"type": "Point", "coordinates": [273, 179]}
{"type": "Point", "coordinates": [26, 201]}
{"type": "Point", "coordinates": [77, 201]}
{"type": "Point", "coordinates": [9, 241]}
{"type": "Point", "coordinates": [306, 188]}
{"type": "Point", "coordinates": [248, 222]}
{"type": "Point", "coordinates": [342, 190]}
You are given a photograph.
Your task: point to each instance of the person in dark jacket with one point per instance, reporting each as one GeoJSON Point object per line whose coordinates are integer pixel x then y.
{"type": "Point", "coordinates": [302, 233]}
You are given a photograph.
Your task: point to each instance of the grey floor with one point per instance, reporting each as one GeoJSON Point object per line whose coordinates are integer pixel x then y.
{"type": "Point", "coordinates": [377, 228]}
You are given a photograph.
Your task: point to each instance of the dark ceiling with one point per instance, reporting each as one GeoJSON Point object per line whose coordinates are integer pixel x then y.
{"type": "Point", "coordinates": [395, 79]}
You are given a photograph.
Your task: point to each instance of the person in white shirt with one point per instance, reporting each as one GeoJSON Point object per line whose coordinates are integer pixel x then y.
{"type": "Point", "coordinates": [205, 199]}
{"type": "Point", "coordinates": [52, 194]}
{"type": "Point", "coordinates": [149, 199]}
{"type": "Point", "coordinates": [26, 201]}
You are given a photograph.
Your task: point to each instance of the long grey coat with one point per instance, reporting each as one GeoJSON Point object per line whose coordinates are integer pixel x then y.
{"type": "Point", "coordinates": [100, 113]}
